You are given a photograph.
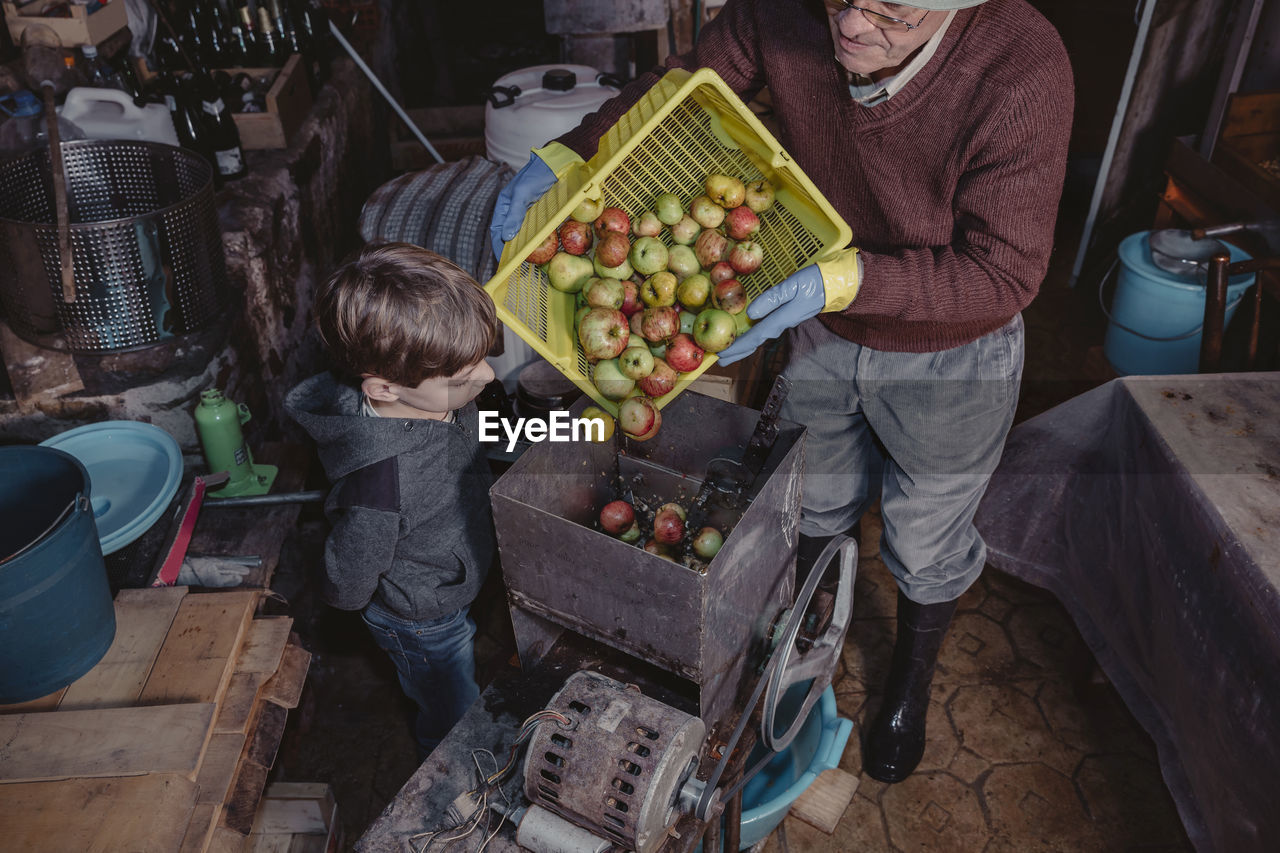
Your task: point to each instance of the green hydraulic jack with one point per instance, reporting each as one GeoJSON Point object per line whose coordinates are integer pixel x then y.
{"type": "Point", "coordinates": [218, 421]}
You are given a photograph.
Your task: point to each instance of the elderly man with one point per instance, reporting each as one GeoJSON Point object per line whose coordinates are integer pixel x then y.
{"type": "Point", "coordinates": [939, 132]}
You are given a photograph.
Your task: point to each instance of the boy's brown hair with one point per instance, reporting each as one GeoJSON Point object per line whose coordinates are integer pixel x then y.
{"type": "Point", "coordinates": [405, 314]}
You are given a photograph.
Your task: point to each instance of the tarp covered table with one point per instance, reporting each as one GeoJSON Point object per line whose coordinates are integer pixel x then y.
{"type": "Point", "coordinates": [1151, 507]}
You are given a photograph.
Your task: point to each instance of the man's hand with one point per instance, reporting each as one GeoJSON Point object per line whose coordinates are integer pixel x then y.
{"type": "Point", "coordinates": [516, 198]}
{"type": "Point", "coordinates": [806, 293]}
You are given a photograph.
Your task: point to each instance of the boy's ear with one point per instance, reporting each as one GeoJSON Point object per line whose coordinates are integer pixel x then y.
{"type": "Point", "coordinates": [377, 388]}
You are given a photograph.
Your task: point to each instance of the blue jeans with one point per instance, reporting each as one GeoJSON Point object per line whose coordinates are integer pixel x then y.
{"type": "Point", "coordinates": [435, 661]}
{"type": "Point", "coordinates": [921, 431]}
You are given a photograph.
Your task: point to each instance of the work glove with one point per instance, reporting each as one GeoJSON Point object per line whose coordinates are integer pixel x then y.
{"type": "Point", "coordinates": [809, 291]}
{"type": "Point", "coordinates": [545, 167]}
{"type": "Point", "coordinates": [211, 571]}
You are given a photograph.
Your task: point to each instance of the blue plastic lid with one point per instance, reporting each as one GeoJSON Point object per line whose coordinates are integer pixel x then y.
{"type": "Point", "coordinates": [134, 472]}
{"type": "Point", "coordinates": [24, 104]}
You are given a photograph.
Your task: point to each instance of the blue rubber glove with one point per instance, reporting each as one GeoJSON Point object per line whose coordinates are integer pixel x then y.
{"type": "Point", "coordinates": [529, 184]}
{"type": "Point", "coordinates": [788, 303]}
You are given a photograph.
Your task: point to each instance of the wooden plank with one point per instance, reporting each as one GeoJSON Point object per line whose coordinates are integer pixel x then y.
{"type": "Point", "coordinates": [218, 770]}
{"type": "Point", "coordinates": [104, 742]}
{"type": "Point", "coordinates": [305, 816]}
{"type": "Point", "coordinates": [134, 813]}
{"type": "Point", "coordinates": [268, 731]}
{"type": "Point", "coordinates": [236, 710]}
{"type": "Point", "coordinates": [824, 802]}
{"type": "Point", "coordinates": [285, 687]}
{"type": "Point", "coordinates": [264, 646]}
{"type": "Point", "coordinates": [37, 374]}
{"type": "Point", "coordinates": [242, 805]}
{"type": "Point", "coordinates": [198, 656]}
{"type": "Point", "coordinates": [47, 702]}
{"type": "Point", "coordinates": [228, 841]}
{"type": "Point", "coordinates": [143, 618]}
{"type": "Point", "coordinates": [204, 817]}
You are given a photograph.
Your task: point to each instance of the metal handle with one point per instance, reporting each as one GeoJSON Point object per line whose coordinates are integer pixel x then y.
{"type": "Point", "coordinates": [502, 96]}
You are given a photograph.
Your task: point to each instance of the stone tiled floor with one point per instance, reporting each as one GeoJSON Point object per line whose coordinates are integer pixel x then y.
{"type": "Point", "coordinates": [1028, 750]}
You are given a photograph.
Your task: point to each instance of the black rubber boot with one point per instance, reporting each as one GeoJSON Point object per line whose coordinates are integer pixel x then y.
{"type": "Point", "coordinates": [895, 740]}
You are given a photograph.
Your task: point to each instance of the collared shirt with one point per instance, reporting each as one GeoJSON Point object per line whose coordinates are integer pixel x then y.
{"type": "Point", "coordinates": [868, 92]}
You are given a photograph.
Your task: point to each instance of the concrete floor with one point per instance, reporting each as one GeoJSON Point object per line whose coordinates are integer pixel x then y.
{"type": "Point", "coordinates": [1029, 747]}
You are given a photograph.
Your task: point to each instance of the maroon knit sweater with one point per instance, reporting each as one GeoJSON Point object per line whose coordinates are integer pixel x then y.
{"type": "Point", "coordinates": [951, 186]}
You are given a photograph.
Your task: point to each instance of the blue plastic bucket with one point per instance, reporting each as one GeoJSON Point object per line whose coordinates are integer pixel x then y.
{"type": "Point", "coordinates": [57, 619]}
{"type": "Point", "coordinates": [1156, 317]}
{"type": "Point", "coordinates": [768, 796]}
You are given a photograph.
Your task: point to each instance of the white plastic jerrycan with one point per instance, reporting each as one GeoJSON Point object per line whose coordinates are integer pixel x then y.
{"type": "Point", "coordinates": [112, 114]}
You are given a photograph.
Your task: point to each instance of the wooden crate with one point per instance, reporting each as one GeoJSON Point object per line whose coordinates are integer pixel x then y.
{"type": "Point", "coordinates": [167, 741]}
{"type": "Point", "coordinates": [1251, 137]}
{"type": "Point", "coordinates": [80, 28]}
{"type": "Point", "coordinates": [288, 103]}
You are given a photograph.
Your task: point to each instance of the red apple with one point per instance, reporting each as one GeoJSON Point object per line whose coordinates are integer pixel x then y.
{"type": "Point", "coordinates": [721, 271]}
{"type": "Point", "coordinates": [603, 333]}
{"type": "Point", "coordinates": [660, 381]}
{"type": "Point", "coordinates": [617, 517]}
{"type": "Point", "coordinates": [634, 324]}
{"type": "Point", "coordinates": [613, 219]}
{"type": "Point", "coordinates": [746, 257]}
{"type": "Point", "coordinates": [668, 526]}
{"type": "Point", "coordinates": [639, 417]}
{"type": "Point", "coordinates": [709, 248]}
{"type": "Point", "coordinates": [546, 249]}
{"type": "Point", "coordinates": [729, 295]}
{"type": "Point", "coordinates": [683, 354]}
{"type": "Point", "coordinates": [658, 324]}
{"type": "Point", "coordinates": [613, 248]}
{"type": "Point", "coordinates": [631, 304]}
{"type": "Point", "coordinates": [741, 222]}
{"type": "Point", "coordinates": [575, 237]}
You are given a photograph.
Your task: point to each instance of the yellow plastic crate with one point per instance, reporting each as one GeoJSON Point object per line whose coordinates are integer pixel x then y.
{"type": "Point", "coordinates": [689, 125]}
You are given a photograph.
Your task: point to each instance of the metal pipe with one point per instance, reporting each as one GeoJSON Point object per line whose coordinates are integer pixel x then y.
{"type": "Point", "coordinates": [268, 500]}
{"type": "Point", "coordinates": [377, 84]}
{"type": "Point", "coordinates": [733, 822]}
{"type": "Point", "coordinates": [1215, 302]}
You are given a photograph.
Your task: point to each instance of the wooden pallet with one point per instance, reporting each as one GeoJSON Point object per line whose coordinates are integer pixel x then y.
{"type": "Point", "coordinates": [165, 742]}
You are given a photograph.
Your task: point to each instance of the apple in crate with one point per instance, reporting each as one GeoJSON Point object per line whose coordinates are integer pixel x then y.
{"type": "Point", "coordinates": [631, 303]}
{"type": "Point", "coordinates": [708, 543]}
{"type": "Point", "coordinates": [613, 248]}
{"type": "Point", "coordinates": [635, 324]}
{"type": "Point", "coordinates": [682, 261]}
{"type": "Point", "coordinates": [694, 291]}
{"type": "Point", "coordinates": [759, 195]}
{"type": "Point", "coordinates": [659, 289]}
{"type": "Point", "coordinates": [660, 380]}
{"type": "Point", "coordinates": [546, 249]}
{"type": "Point", "coordinates": [668, 208]}
{"type": "Point", "coordinates": [714, 330]}
{"type": "Point", "coordinates": [746, 257]}
{"type": "Point", "coordinates": [622, 271]}
{"type": "Point", "coordinates": [587, 211]}
{"type": "Point", "coordinates": [603, 333]}
{"type": "Point", "coordinates": [725, 190]}
{"type": "Point", "coordinates": [706, 212]}
{"type": "Point", "coordinates": [668, 524]}
{"type": "Point", "coordinates": [741, 222]}
{"type": "Point", "coordinates": [658, 324]}
{"type": "Point", "coordinates": [729, 295]}
{"type": "Point", "coordinates": [636, 362]}
{"type": "Point", "coordinates": [610, 380]}
{"type": "Point", "coordinates": [686, 230]}
{"type": "Point", "coordinates": [575, 237]}
{"type": "Point", "coordinates": [721, 271]}
{"type": "Point", "coordinates": [605, 293]}
{"type": "Point", "coordinates": [648, 255]}
{"type": "Point", "coordinates": [710, 247]}
{"type": "Point", "coordinates": [639, 418]}
{"type": "Point", "coordinates": [613, 219]}
{"type": "Point", "coordinates": [687, 319]}
{"type": "Point", "coordinates": [684, 354]}
{"type": "Point", "coordinates": [568, 273]}
{"type": "Point", "coordinates": [648, 225]}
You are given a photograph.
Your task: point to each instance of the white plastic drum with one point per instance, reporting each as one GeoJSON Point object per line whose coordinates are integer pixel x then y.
{"type": "Point", "coordinates": [528, 108]}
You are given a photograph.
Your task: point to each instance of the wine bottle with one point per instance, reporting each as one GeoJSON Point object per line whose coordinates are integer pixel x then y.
{"type": "Point", "coordinates": [186, 120]}
{"type": "Point", "coordinates": [223, 136]}
{"type": "Point", "coordinates": [273, 51]}
{"type": "Point", "coordinates": [252, 48]}
{"type": "Point", "coordinates": [286, 29]}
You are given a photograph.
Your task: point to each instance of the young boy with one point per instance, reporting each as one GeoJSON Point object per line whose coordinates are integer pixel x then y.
{"type": "Point", "coordinates": [412, 534]}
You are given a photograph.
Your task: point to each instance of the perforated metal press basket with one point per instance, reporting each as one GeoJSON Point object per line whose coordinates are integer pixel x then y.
{"type": "Point", "coordinates": [145, 242]}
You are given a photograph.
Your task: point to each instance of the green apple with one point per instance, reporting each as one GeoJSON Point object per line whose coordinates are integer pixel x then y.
{"type": "Point", "coordinates": [659, 289]}
{"type": "Point", "coordinates": [668, 208]}
{"type": "Point", "coordinates": [568, 273]}
{"type": "Point", "coordinates": [621, 272]}
{"type": "Point", "coordinates": [604, 293]}
{"type": "Point", "coordinates": [694, 291]}
{"type": "Point", "coordinates": [588, 210]}
{"type": "Point", "coordinates": [648, 255]}
{"type": "Point", "coordinates": [612, 382]}
{"type": "Point", "coordinates": [682, 261]}
{"type": "Point", "coordinates": [742, 322]}
{"type": "Point", "coordinates": [687, 319]}
{"type": "Point", "coordinates": [636, 362]}
{"type": "Point", "coordinates": [714, 330]}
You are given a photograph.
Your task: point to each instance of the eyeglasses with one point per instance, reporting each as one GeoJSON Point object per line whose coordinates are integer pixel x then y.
{"type": "Point", "coordinates": [884, 22]}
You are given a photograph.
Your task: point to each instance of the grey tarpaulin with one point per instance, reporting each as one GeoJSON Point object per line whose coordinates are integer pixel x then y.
{"type": "Point", "coordinates": [445, 208]}
{"type": "Point", "coordinates": [1151, 507]}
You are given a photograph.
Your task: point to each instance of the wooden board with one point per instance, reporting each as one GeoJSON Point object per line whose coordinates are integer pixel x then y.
{"type": "Point", "coordinates": [204, 818]}
{"type": "Point", "coordinates": [48, 702]}
{"type": "Point", "coordinates": [37, 374]}
{"type": "Point", "coordinates": [199, 655]}
{"type": "Point", "coordinates": [143, 618]}
{"type": "Point", "coordinates": [140, 814]}
{"type": "Point", "coordinates": [285, 687]}
{"type": "Point", "coordinates": [824, 802]}
{"type": "Point", "coordinates": [218, 770]}
{"type": "Point", "coordinates": [265, 644]}
{"type": "Point", "coordinates": [103, 742]}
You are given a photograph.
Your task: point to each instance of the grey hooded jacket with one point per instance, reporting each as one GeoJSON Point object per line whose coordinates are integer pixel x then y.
{"type": "Point", "coordinates": [409, 505]}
